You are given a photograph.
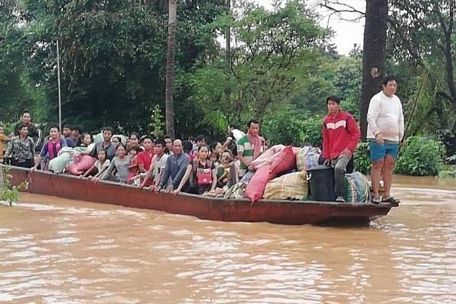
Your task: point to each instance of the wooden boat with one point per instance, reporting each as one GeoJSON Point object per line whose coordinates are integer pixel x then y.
{"type": "Point", "coordinates": [203, 207]}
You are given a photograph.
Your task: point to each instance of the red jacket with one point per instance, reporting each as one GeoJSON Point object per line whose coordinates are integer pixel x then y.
{"type": "Point", "coordinates": [340, 132]}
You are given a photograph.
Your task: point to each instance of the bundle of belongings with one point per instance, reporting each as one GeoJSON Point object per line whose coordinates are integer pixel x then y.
{"type": "Point", "coordinates": [284, 173]}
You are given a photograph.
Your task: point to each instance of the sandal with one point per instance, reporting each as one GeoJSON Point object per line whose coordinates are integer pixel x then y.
{"type": "Point", "coordinates": [376, 200]}
{"type": "Point", "coordinates": [392, 200]}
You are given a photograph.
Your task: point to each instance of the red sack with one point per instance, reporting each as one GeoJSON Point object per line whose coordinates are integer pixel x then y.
{"type": "Point", "coordinates": [204, 176]}
{"type": "Point", "coordinates": [284, 162]}
{"type": "Point", "coordinates": [257, 184]}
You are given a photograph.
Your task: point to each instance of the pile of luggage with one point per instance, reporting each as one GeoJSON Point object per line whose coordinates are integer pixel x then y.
{"type": "Point", "coordinates": [292, 173]}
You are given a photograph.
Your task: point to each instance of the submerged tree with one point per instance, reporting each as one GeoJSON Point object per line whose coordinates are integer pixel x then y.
{"type": "Point", "coordinates": [170, 68]}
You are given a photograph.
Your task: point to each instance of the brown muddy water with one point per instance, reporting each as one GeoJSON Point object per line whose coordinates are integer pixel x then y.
{"type": "Point", "coordinates": [55, 250]}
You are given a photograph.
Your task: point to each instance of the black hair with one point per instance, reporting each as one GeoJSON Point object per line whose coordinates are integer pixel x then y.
{"type": "Point", "coordinates": [136, 148]}
{"type": "Point", "coordinates": [203, 146]}
{"type": "Point", "coordinates": [160, 142]}
{"type": "Point", "coordinates": [26, 112]}
{"type": "Point", "coordinates": [199, 138]}
{"type": "Point", "coordinates": [121, 145]}
{"type": "Point", "coordinates": [213, 145]}
{"type": "Point", "coordinates": [144, 137]}
{"type": "Point", "coordinates": [118, 137]}
{"type": "Point", "coordinates": [251, 121]}
{"type": "Point", "coordinates": [167, 136]}
{"type": "Point", "coordinates": [187, 146]}
{"type": "Point", "coordinates": [333, 98]}
{"type": "Point", "coordinates": [134, 134]}
{"type": "Point", "coordinates": [67, 126]}
{"type": "Point", "coordinates": [78, 128]}
{"type": "Point", "coordinates": [108, 129]}
{"type": "Point", "coordinates": [54, 127]}
{"type": "Point", "coordinates": [387, 79]}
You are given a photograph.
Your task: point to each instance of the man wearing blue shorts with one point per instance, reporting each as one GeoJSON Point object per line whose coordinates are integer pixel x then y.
{"type": "Point", "coordinates": [385, 131]}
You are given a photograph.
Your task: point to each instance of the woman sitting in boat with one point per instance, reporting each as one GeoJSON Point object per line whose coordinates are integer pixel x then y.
{"type": "Point", "coordinates": [21, 149]}
{"type": "Point", "coordinates": [50, 148]}
{"type": "Point", "coordinates": [203, 174]}
{"type": "Point", "coordinates": [118, 168]}
{"type": "Point", "coordinates": [215, 149]}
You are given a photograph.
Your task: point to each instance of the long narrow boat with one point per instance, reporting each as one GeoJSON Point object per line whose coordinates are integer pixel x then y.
{"type": "Point", "coordinates": [203, 207]}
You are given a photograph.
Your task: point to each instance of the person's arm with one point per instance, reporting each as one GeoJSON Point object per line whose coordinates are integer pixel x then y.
{"type": "Point", "coordinates": [147, 176]}
{"type": "Point", "coordinates": [44, 151]}
{"type": "Point", "coordinates": [240, 152]}
{"type": "Point", "coordinates": [401, 123]}
{"type": "Point", "coordinates": [214, 179]}
{"type": "Point", "coordinates": [372, 116]}
{"type": "Point", "coordinates": [182, 170]}
{"type": "Point", "coordinates": [353, 130]}
{"type": "Point", "coordinates": [9, 149]}
{"type": "Point", "coordinates": [188, 171]}
{"type": "Point", "coordinates": [108, 172]}
{"type": "Point", "coordinates": [325, 143]}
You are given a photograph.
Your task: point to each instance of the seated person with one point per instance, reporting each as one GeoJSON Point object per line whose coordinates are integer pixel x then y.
{"type": "Point", "coordinates": [176, 164]}
{"type": "Point", "coordinates": [99, 167]}
{"type": "Point", "coordinates": [118, 168]}
{"type": "Point", "coordinates": [203, 174]}
{"type": "Point", "coordinates": [157, 167]}
{"type": "Point", "coordinates": [226, 171]}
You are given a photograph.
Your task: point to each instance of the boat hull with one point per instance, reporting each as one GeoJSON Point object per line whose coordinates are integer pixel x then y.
{"type": "Point", "coordinates": [203, 207]}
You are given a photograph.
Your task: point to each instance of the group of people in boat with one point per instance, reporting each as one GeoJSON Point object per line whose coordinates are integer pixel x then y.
{"type": "Point", "coordinates": [196, 166]}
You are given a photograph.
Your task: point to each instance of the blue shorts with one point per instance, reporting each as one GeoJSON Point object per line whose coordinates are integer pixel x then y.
{"type": "Point", "coordinates": [378, 151]}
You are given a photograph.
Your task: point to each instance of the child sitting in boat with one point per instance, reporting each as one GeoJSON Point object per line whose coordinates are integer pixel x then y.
{"type": "Point", "coordinates": [99, 167]}
{"type": "Point", "coordinates": [133, 167]}
{"type": "Point", "coordinates": [118, 169]}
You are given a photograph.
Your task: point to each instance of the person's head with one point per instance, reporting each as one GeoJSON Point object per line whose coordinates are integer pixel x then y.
{"type": "Point", "coordinates": [226, 157]}
{"type": "Point", "coordinates": [26, 117]}
{"type": "Point", "coordinates": [200, 140]}
{"type": "Point", "coordinates": [159, 148]}
{"type": "Point", "coordinates": [254, 127]}
{"type": "Point", "coordinates": [116, 141]}
{"type": "Point", "coordinates": [67, 130]}
{"type": "Point", "coordinates": [231, 127]}
{"type": "Point", "coordinates": [147, 143]}
{"type": "Point", "coordinates": [389, 85]}
{"type": "Point", "coordinates": [23, 131]}
{"type": "Point", "coordinates": [77, 131]}
{"type": "Point", "coordinates": [169, 143]}
{"type": "Point", "coordinates": [134, 150]}
{"type": "Point", "coordinates": [333, 104]}
{"type": "Point", "coordinates": [121, 150]}
{"type": "Point", "coordinates": [101, 155]}
{"type": "Point", "coordinates": [177, 146]}
{"type": "Point", "coordinates": [86, 139]}
{"type": "Point", "coordinates": [134, 139]}
{"type": "Point", "coordinates": [107, 134]}
{"type": "Point", "coordinates": [54, 132]}
{"type": "Point", "coordinates": [203, 152]}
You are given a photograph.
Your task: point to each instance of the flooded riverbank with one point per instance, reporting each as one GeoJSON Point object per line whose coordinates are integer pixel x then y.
{"type": "Point", "coordinates": [63, 251]}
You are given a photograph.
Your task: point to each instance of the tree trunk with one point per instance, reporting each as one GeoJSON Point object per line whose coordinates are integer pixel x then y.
{"type": "Point", "coordinates": [170, 68]}
{"type": "Point", "coordinates": [373, 55]}
{"type": "Point", "coordinates": [228, 39]}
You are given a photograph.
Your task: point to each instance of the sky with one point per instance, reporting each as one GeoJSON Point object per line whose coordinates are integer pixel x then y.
{"type": "Point", "coordinates": [347, 33]}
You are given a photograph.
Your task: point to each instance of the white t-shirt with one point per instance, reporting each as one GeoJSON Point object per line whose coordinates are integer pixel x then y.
{"type": "Point", "coordinates": [385, 116]}
{"type": "Point", "coordinates": [100, 167]}
{"type": "Point", "coordinates": [158, 165]}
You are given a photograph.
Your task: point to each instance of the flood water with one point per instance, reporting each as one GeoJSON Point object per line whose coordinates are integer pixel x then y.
{"type": "Point", "coordinates": [54, 250]}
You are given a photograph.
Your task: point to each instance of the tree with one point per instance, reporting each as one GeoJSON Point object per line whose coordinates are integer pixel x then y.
{"type": "Point", "coordinates": [170, 68]}
{"type": "Point", "coordinates": [373, 55]}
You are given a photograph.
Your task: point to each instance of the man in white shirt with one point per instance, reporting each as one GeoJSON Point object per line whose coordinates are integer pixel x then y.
{"type": "Point", "coordinates": [385, 131]}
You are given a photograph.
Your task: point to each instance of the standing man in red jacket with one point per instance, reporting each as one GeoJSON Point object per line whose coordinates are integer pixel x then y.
{"type": "Point", "coordinates": [340, 138]}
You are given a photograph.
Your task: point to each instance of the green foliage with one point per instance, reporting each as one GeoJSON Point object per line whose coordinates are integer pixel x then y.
{"type": "Point", "coordinates": [420, 156]}
{"type": "Point", "coordinates": [362, 159]}
{"type": "Point", "coordinates": [9, 193]}
{"type": "Point", "coordinates": [156, 124]}
{"type": "Point", "coordinates": [448, 172]}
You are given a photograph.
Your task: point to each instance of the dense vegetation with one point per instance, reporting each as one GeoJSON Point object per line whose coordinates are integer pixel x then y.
{"type": "Point", "coordinates": [279, 68]}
